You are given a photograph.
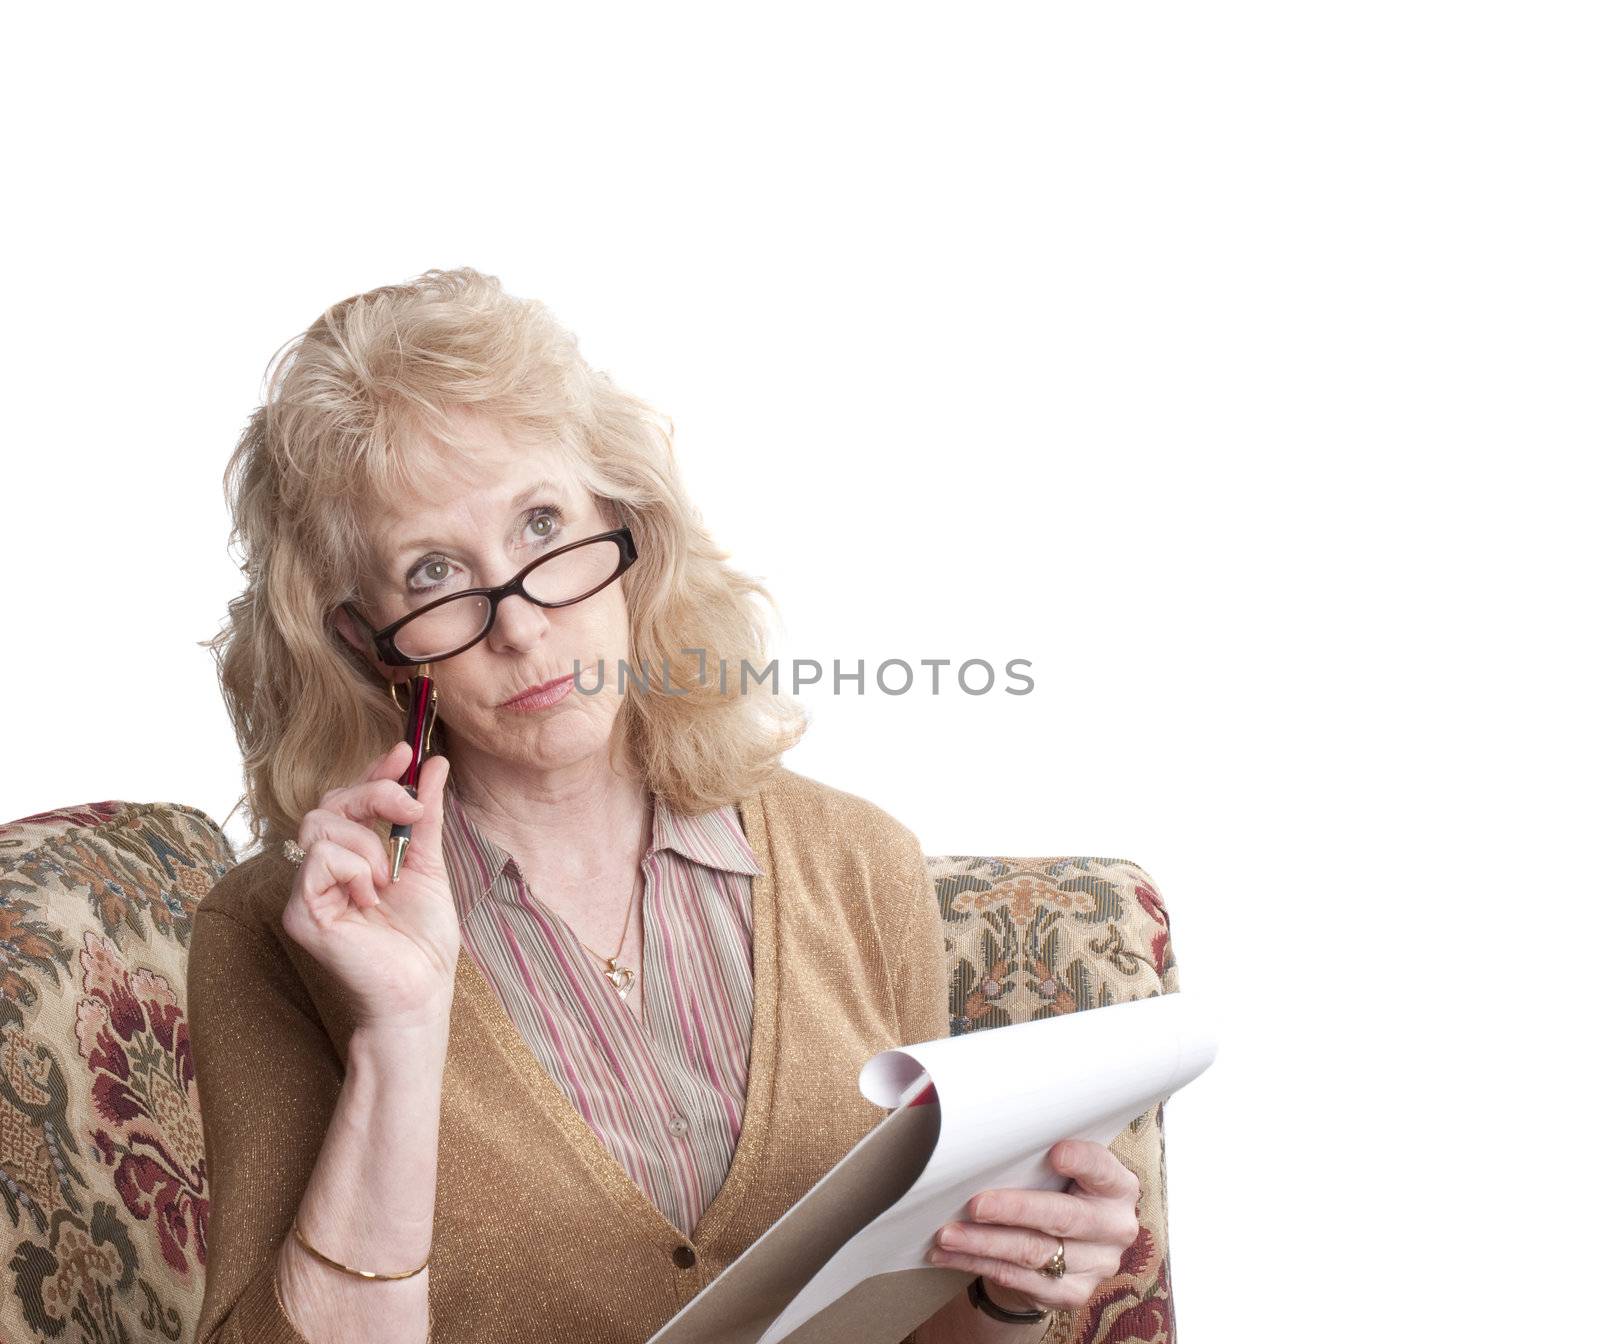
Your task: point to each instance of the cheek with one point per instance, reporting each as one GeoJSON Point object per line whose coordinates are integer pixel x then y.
{"type": "Point", "coordinates": [471, 683]}
{"type": "Point", "coordinates": [610, 629]}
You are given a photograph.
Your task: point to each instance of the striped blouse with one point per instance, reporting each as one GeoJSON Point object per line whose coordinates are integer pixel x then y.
{"type": "Point", "coordinates": [666, 1100]}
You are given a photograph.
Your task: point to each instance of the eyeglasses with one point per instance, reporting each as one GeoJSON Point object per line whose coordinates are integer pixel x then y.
{"type": "Point", "coordinates": [455, 623]}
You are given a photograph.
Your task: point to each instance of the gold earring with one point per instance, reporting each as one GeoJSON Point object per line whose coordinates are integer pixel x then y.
{"type": "Point", "coordinates": [433, 704]}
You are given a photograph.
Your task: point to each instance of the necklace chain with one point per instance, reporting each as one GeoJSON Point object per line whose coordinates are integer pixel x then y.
{"type": "Point", "coordinates": [621, 977]}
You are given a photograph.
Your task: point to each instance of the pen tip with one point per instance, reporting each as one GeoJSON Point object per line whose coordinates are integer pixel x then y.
{"type": "Point", "coordinates": [398, 845]}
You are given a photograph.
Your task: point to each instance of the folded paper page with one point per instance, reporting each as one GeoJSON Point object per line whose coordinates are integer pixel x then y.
{"type": "Point", "coordinates": [848, 1261]}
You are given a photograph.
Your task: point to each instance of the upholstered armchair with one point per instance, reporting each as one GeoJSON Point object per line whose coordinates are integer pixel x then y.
{"type": "Point", "coordinates": [102, 1155]}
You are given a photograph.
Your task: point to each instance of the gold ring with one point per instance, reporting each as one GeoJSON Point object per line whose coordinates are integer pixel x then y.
{"type": "Point", "coordinates": [1056, 1265]}
{"type": "Point", "coordinates": [293, 853]}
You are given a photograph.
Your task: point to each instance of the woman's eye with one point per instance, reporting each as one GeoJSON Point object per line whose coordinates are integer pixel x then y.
{"type": "Point", "coordinates": [544, 520]}
{"type": "Point", "coordinates": [427, 576]}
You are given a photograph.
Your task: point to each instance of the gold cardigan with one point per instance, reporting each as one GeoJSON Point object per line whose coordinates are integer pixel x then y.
{"type": "Point", "coordinates": [538, 1232]}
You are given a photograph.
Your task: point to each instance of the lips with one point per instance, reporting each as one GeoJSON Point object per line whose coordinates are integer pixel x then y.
{"type": "Point", "coordinates": [542, 689]}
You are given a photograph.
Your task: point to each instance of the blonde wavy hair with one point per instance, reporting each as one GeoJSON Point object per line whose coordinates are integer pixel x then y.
{"type": "Point", "coordinates": [354, 411]}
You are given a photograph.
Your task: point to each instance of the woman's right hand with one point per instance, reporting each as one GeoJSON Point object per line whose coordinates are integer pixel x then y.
{"type": "Point", "coordinates": [391, 945]}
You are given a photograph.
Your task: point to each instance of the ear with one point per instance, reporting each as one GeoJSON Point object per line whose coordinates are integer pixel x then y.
{"type": "Point", "coordinates": [349, 629]}
{"type": "Point", "coordinates": [358, 640]}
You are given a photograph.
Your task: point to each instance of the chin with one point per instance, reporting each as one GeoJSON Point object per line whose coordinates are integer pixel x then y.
{"type": "Point", "coordinates": [558, 741]}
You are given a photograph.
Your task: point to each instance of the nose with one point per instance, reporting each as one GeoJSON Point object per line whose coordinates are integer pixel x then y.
{"type": "Point", "coordinates": [519, 624]}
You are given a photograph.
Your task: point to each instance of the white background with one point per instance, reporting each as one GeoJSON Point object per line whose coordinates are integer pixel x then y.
{"type": "Point", "coordinates": [1233, 363]}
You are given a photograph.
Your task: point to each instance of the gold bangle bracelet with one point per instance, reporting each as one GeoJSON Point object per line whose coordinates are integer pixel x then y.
{"type": "Point", "coordinates": [359, 1273]}
{"type": "Point", "coordinates": [277, 1292]}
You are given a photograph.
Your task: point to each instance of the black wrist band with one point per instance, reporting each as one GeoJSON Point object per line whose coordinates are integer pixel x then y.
{"type": "Point", "coordinates": [982, 1301]}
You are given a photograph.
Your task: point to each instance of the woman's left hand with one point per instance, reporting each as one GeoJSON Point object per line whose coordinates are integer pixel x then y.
{"type": "Point", "coordinates": [1013, 1231]}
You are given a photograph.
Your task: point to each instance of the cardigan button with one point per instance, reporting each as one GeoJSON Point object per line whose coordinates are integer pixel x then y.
{"type": "Point", "coordinates": [683, 1257]}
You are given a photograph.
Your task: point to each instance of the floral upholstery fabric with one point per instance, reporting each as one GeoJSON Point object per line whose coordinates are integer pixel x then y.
{"type": "Point", "coordinates": [102, 1161]}
{"type": "Point", "coordinates": [1032, 938]}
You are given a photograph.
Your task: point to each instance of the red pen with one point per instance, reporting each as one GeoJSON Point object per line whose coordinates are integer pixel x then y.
{"type": "Point", "coordinates": [419, 733]}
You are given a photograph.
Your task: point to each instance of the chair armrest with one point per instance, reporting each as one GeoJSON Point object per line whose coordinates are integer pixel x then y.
{"type": "Point", "coordinates": [1034, 937]}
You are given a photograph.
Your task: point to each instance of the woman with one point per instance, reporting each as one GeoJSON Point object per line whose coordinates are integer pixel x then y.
{"type": "Point", "coordinates": [604, 1026]}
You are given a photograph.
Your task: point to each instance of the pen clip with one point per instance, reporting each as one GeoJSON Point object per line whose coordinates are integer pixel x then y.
{"type": "Point", "coordinates": [430, 712]}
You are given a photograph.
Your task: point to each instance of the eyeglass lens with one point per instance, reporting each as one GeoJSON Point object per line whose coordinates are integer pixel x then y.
{"type": "Point", "coordinates": [563, 578]}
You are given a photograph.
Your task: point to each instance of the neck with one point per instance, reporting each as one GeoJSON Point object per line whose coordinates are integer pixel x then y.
{"type": "Point", "coordinates": [575, 837]}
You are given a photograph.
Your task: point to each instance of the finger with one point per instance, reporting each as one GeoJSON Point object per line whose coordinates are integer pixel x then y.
{"type": "Point", "coordinates": [391, 763]}
{"type": "Point", "coordinates": [427, 833]}
{"type": "Point", "coordinates": [1094, 1168]}
{"type": "Point", "coordinates": [322, 824]}
{"type": "Point", "coordinates": [375, 800]}
{"type": "Point", "coordinates": [1024, 1245]}
{"type": "Point", "coordinates": [1055, 1213]}
{"type": "Point", "coordinates": [335, 880]}
{"type": "Point", "coordinates": [1063, 1294]}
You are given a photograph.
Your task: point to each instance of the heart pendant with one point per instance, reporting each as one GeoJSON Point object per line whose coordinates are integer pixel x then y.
{"type": "Point", "coordinates": [620, 976]}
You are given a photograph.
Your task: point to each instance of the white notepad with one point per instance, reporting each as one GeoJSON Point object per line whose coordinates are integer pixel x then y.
{"type": "Point", "coordinates": [846, 1264]}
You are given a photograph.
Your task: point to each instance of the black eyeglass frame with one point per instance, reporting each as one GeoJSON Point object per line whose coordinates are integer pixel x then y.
{"type": "Point", "coordinates": [383, 640]}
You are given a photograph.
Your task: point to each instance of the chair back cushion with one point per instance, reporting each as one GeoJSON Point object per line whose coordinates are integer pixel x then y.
{"type": "Point", "coordinates": [102, 1161]}
{"type": "Point", "coordinates": [1031, 938]}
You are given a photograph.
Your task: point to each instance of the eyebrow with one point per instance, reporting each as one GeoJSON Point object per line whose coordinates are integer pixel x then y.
{"type": "Point", "coordinates": [418, 544]}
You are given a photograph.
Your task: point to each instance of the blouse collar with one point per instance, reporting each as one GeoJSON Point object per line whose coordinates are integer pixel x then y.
{"type": "Point", "coordinates": [474, 862]}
